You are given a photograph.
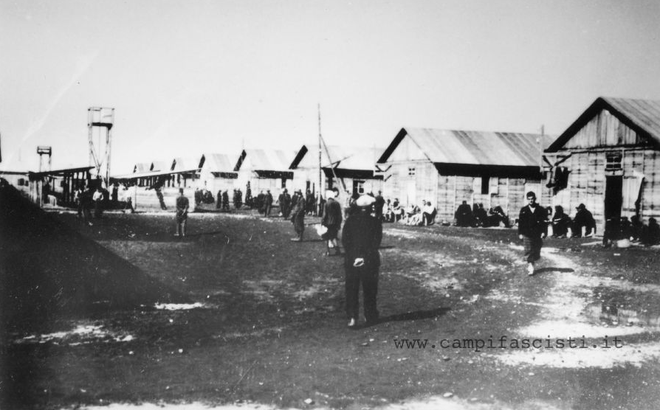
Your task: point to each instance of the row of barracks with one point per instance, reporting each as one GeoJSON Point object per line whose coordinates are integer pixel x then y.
{"type": "Point", "coordinates": [608, 159]}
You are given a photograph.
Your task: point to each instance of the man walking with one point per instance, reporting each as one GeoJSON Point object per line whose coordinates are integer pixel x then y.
{"type": "Point", "coordinates": [531, 229]}
{"type": "Point", "coordinates": [332, 221]}
{"type": "Point", "coordinates": [268, 203]}
{"type": "Point", "coordinates": [361, 239]}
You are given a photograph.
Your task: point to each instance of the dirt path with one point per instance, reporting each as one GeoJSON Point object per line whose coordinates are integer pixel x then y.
{"type": "Point", "coordinates": [569, 310]}
{"type": "Point", "coordinates": [264, 325]}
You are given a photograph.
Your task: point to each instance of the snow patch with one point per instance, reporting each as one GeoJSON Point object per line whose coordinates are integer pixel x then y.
{"type": "Point", "coordinates": [179, 306]}
{"type": "Point", "coordinates": [80, 335]}
{"type": "Point", "coordinates": [576, 358]}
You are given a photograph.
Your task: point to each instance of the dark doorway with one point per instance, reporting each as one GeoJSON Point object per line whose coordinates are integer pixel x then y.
{"type": "Point", "coordinates": [613, 197]}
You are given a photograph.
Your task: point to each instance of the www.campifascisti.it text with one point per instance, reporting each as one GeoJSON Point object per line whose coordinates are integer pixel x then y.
{"type": "Point", "coordinates": [505, 342]}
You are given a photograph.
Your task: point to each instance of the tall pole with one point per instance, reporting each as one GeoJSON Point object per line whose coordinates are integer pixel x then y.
{"type": "Point", "coordinates": [541, 148]}
{"type": "Point", "coordinates": [320, 171]}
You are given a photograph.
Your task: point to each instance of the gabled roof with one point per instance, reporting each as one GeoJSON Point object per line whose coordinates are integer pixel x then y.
{"type": "Point", "coordinates": [186, 163]}
{"type": "Point", "coordinates": [267, 160]}
{"type": "Point", "coordinates": [642, 116]}
{"type": "Point", "coordinates": [216, 162]}
{"type": "Point", "coordinates": [341, 157]}
{"type": "Point", "coordinates": [59, 172]}
{"type": "Point", "coordinates": [473, 147]}
{"type": "Point", "coordinates": [161, 166]}
{"type": "Point", "coordinates": [141, 167]}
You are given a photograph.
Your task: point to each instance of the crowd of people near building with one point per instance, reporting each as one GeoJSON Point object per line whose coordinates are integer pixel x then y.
{"type": "Point", "coordinates": [477, 216]}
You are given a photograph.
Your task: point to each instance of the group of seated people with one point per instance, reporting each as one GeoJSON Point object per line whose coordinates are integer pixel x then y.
{"type": "Point", "coordinates": [410, 215]}
{"type": "Point", "coordinates": [478, 216]}
{"type": "Point", "coordinates": [583, 224]}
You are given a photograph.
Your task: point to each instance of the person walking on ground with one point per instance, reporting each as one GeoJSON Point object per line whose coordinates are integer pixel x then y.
{"type": "Point", "coordinates": [298, 220]}
{"type": "Point", "coordinates": [182, 205]}
{"type": "Point", "coordinates": [332, 217]}
{"type": "Point", "coordinates": [86, 202]}
{"type": "Point", "coordinates": [97, 197]}
{"type": "Point", "coordinates": [268, 203]}
{"type": "Point", "coordinates": [531, 229]}
{"type": "Point", "coordinates": [361, 239]}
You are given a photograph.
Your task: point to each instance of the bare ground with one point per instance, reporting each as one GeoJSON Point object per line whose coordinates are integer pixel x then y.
{"type": "Point", "coordinates": [122, 314]}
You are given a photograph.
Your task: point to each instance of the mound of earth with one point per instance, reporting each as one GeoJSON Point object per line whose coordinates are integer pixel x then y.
{"type": "Point", "coordinates": [50, 272]}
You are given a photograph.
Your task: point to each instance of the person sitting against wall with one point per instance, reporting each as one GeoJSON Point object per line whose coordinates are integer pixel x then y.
{"type": "Point", "coordinates": [651, 233]}
{"type": "Point", "coordinates": [583, 218]}
{"type": "Point", "coordinates": [463, 215]}
{"type": "Point", "coordinates": [413, 216]}
{"type": "Point", "coordinates": [480, 215]}
{"type": "Point", "coordinates": [428, 213]}
{"type": "Point", "coordinates": [497, 217]}
{"type": "Point", "coordinates": [636, 228]}
{"type": "Point", "coordinates": [625, 228]}
{"type": "Point", "coordinates": [561, 223]}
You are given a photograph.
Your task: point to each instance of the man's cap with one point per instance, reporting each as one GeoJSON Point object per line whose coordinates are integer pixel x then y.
{"type": "Point", "coordinates": [365, 200]}
{"type": "Point", "coordinates": [530, 194]}
{"type": "Point", "coordinates": [581, 206]}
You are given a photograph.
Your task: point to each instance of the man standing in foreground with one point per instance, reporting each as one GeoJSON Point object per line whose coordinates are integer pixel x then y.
{"type": "Point", "coordinates": [531, 229]}
{"type": "Point", "coordinates": [361, 239]}
{"type": "Point", "coordinates": [182, 205]}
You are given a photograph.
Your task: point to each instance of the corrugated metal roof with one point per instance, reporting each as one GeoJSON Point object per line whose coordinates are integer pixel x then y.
{"type": "Point", "coordinates": [356, 158]}
{"type": "Point", "coordinates": [220, 162]}
{"type": "Point", "coordinates": [644, 113]}
{"type": "Point", "coordinates": [142, 167]}
{"type": "Point", "coordinates": [474, 147]}
{"type": "Point", "coordinates": [270, 160]}
{"type": "Point", "coordinates": [186, 163]}
{"type": "Point", "coordinates": [361, 159]}
{"type": "Point", "coordinates": [643, 116]}
{"type": "Point", "coordinates": [161, 166]}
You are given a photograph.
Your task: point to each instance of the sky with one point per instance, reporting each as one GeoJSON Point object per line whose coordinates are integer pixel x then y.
{"type": "Point", "coordinates": [195, 76]}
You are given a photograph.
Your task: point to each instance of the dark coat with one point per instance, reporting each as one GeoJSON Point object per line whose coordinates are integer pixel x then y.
{"type": "Point", "coordinates": [532, 224]}
{"type": "Point", "coordinates": [361, 238]}
{"type": "Point", "coordinates": [332, 214]}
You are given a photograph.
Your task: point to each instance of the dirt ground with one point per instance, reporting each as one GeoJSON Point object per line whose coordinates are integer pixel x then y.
{"type": "Point", "coordinates": [122, 314]}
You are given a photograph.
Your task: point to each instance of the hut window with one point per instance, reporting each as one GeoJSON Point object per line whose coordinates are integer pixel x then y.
{"type": "Point", "coordinates": [613, 161]}
{"type": "Point", "coordinates": [283, 183]}
{"type": "Point", "coordinates": [411, 171]}
{"type": "Point", "coordinates": [358, 187]}
{"type": "Point", "coordinates": [21, 182]}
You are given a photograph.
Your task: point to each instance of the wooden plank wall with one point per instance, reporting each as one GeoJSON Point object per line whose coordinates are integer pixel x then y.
{"type": "Point", "coordinates": [587, 183]}
{"type": "Point", "coordinates": [604, 130]}
{"type": "Point", "coordinates": [517, 191]}
{"type": "Point", "coordinates": [651, 189]}
{"type": "Point", "coordinates": [446, 198]}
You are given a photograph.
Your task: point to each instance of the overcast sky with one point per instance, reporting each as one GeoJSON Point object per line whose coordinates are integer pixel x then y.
{"type": "Point", "coordinates": [187, 77]}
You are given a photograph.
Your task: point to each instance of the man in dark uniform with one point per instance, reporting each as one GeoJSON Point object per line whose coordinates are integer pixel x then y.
{"type": "Point", "coordinates": [378, 206]}
{"type": "Point", "coordinates": [531, 229]}
{"type": "Point", "coordinates": [182, 205]}
{"type": "Point", "coordinates": [361, 239]}
{"type": "Point", "coordinates": [268, 203]}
